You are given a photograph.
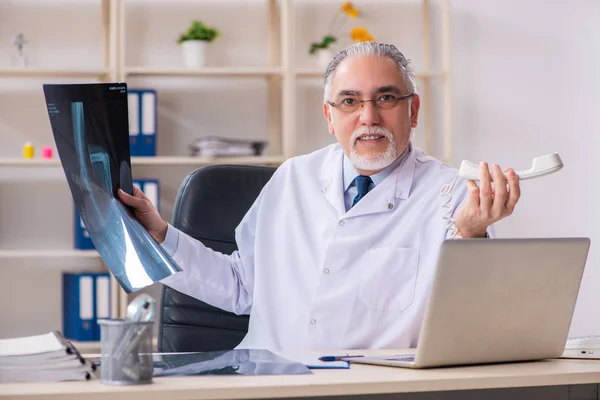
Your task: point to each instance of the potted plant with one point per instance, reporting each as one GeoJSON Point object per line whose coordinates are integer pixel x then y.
{"type": "Point", "coordinates": [323, 48]}
{"type": "Point", "coordinates": [193, 43]}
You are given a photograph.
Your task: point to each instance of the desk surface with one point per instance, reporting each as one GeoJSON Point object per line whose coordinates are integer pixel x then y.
{"type": "Point", "coordinates": [359, 379]}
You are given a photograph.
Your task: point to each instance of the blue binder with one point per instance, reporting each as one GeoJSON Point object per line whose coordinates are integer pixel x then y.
{"type": "Point", "coordinates": [82, 239]}
{"type": "Point", "coordinates": [78, 306]}
{"type": "Point", "coordinates": [86, 298]}
{"type": "Point", "coordinates": [141, 105]}
{"type": "Point", "coordinates": [102, 304]}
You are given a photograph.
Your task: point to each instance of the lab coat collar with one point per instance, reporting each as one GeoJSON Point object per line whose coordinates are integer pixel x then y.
{"type": "Point", "coordinates": [397, 185]}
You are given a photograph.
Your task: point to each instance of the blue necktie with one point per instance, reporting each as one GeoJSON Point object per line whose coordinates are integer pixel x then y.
{"type": "Point", "coordinates": [362, 184]}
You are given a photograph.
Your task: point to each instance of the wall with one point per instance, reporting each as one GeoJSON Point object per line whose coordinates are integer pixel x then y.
{"type": "Point", "coordinates": [525, 84]}
{"type": "Point", "coordinates": [522, 86]}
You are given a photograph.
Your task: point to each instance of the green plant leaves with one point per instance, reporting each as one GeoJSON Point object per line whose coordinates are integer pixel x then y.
{"type": "Point", "coordinates": [198, 31]}
{"type": "Point", "coordinates": [323, 44]}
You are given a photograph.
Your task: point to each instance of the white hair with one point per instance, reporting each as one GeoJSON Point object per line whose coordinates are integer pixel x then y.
{"type": "Point", "coordinates": [371, 49]}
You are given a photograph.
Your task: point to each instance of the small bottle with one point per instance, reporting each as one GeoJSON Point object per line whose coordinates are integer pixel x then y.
{"type": "Point", "coordinates": [46, 152]}
{"type": "Point", "coordinates": [28, 150]}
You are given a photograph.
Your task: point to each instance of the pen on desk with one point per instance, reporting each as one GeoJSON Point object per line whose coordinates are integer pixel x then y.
{"type": "Point", "coordinates": [336, 358]}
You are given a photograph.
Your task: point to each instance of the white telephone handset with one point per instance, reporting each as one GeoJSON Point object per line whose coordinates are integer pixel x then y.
{"type": "Point", "coordinates": [541, 166]}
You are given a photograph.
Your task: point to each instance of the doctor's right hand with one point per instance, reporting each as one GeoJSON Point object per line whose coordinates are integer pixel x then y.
{"type": "Point", "coordinates": [145, 213]}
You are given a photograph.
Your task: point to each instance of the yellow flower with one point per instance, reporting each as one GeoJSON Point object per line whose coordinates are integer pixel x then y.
{"type": "Point", "coordinates": [349, 9]}
{"type": "Point", "coordinates": [353, 13]}
{"type": "Point", "coordinates": [347, 6]}
{"type": "Point", "coordinates": [360, 34]}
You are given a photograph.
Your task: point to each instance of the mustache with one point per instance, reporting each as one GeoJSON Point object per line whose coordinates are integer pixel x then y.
{"type": "Point", "coordinates": [371, 130]}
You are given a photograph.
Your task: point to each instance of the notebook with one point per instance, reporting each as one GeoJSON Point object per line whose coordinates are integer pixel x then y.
{"type": "Point", "coordinates": [47, 357]}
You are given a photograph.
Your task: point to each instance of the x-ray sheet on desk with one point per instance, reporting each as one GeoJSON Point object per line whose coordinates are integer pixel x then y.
{"type": "Point", "coordinates": [91, 131]}
{"type": "Point", "coordinates": [229, 362]}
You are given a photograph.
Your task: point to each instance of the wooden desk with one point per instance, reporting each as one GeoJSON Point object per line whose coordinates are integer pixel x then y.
{"type": "Point", "coordinates": [358, 380]}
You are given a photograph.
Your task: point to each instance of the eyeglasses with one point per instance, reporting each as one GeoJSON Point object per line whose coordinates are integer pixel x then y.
{"type": "Point", "coordinates": [384, 102]}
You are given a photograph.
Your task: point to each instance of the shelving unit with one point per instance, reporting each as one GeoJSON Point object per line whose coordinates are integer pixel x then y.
{"type": "Point", "coordinates": [45, 254]}
{"type": "Point", "coordinates": [211, 72]}
{"type": "Point", "coordinates": [101, 73]}
{"type": "Point", "coordinates": [158, 160]}
{"type": "Point", "coordinates": [280, 73]}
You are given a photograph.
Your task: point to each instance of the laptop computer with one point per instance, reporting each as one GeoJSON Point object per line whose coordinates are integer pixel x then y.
{"type": "Point", "coordinates": [497, 300]}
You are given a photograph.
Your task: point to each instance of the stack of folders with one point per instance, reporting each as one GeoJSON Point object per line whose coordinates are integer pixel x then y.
{"type": "Point", "coordinates": [222, 147]}
{"type": "Point", "coordinates": [42, 358]}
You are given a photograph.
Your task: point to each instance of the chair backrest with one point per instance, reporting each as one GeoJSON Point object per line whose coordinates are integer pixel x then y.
{"type": "Point", "coordinates": [210, 204]}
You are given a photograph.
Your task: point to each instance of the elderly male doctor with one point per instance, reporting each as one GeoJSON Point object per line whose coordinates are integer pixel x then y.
{"type": "Point", "coordinates": [339, 249]}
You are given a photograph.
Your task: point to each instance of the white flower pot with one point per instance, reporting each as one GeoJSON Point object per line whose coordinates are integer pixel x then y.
{"type": "Point", "coordinates": [324, 57]}
{"type": "Point", "coordinates": [194, 53]}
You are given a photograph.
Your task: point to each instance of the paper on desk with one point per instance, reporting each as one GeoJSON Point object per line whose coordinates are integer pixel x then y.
{"type": "Point", "coordinates": [313, 362]}
{"type": "Point", "coordinates": [583, 342]}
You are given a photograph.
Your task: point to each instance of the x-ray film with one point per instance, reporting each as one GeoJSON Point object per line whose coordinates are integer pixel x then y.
{"type": "Point", "coordinates": [91, 131]}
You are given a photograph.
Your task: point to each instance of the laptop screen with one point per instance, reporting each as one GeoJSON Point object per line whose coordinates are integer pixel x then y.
{"type": "Point", "coordinates": [91, 131]}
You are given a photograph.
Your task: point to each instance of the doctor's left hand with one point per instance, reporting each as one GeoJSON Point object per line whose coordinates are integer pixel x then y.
{"type": "Point", "coordinates": [486, 205]}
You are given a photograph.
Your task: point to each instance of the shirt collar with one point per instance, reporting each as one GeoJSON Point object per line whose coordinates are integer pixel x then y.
{"type": "Point", "coordinates": [397, 186]}
{"type": "Point", "coordinates": [349, 172]}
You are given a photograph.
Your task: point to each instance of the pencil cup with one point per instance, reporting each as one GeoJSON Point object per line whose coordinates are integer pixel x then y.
{"type": "Point", "coordinates": [126, 348]}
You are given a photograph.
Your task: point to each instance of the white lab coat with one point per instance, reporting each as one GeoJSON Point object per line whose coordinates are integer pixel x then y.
{"type": "Point", "coordinates": [313, 276]}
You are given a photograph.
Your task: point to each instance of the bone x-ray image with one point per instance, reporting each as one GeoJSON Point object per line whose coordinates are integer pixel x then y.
{"type": "Point", "coordinates": [91, 131]}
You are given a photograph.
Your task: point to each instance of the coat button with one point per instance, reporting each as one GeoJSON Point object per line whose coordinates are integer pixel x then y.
{"type": "Point", "coordinates": [390, 206]}
{"type": "Point", "coordinates": [313, 321]}
{"type": "Point", "coordinates": [326, 271]}
{"type": "Point", "coordinates": [342, 223]}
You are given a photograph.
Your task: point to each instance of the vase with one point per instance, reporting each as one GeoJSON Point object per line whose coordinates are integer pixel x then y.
{"type": "Point", "coordinates": [194, 53]}
{"type": "Point", "coordinates": [324, 57]}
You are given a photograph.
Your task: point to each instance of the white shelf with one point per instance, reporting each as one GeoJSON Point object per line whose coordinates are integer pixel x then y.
{"type": "Point", "coordinates": [24, 162]}
{"type": "Point", "coordinates": [158, 160]}
{"type": "Point", "coordinates": [215, 72]}
{"type": "Point", "coordinates": [52, 72]}
{"type": "Point", "coordinates": [317, 73]}
{"type": "Point", "coordinates": [258, 160]}
{"type": "Point", "coordinates": [32, 253]}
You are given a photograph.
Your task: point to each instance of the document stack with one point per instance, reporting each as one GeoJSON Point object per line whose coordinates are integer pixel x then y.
{"type": "Point", "coordinates": [221, 147]}
{"type": "Point", "coordinates": [42, 358]}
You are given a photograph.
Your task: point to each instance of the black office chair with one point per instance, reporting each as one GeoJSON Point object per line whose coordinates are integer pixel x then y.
{"type": "Point", "coordinates": [210, 204]}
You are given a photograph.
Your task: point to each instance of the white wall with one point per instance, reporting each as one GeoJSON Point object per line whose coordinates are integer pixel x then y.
{"type": "Point", "coordinates": [523, 85]}
{"type": "Point", "coordinates": [526, 83]}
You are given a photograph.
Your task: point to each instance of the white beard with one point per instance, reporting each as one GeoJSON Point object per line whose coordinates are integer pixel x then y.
{"type": "Point", "coordinates": [379, 161]}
